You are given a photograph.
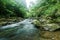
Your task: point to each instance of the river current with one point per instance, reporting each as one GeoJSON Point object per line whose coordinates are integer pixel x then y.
{"type": "Point", "coordinates": [23, 30]}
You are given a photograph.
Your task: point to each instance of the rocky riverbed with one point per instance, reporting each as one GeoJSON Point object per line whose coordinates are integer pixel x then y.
{"type": "Point", "coordinates": [20, 29]}
{"type": "Point", "coordinates": [11, 20]}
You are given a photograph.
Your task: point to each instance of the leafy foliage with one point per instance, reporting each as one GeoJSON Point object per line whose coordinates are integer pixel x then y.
{"type": "Point", "coordinates": [9, 8]}
{"type": "Point", "coordinates": [46, 8]}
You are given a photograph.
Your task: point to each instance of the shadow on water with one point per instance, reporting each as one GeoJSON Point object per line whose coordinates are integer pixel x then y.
{"type": "Point", "coordinates": [19, 31]}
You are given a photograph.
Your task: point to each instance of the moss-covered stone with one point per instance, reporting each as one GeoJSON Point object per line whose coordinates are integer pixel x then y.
{"type": "Point", "coordinates": [46, 24]}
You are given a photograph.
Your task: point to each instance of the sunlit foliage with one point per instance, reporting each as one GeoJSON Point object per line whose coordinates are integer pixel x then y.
{"type": "Point", "coordinates": [18, 8]}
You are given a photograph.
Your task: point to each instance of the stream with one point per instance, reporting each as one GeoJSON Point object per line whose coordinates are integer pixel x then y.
{"type": "Point", "coordinates": [23, 30]}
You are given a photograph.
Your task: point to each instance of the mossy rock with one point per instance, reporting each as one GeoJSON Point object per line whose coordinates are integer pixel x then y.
{"type": "Point", "coordinates": [51, 27]}
{"type": "Point", "coordinates": [46, 25]}
{"type": "Point", "coordinates": [36, 22]}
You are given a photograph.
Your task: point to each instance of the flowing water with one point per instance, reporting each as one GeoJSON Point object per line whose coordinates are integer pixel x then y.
{"type": "Point", "coordinates": [23, 30]}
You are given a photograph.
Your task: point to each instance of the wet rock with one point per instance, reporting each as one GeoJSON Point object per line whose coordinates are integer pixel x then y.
{"type": "Point", "coordinates": [36, 22]}
{"type": "Point", "coordinates": [51, 27]}
{"type": "Point", "coordinates": [46, 25]}
{"type": "Point", "coordinates": [11, 20]}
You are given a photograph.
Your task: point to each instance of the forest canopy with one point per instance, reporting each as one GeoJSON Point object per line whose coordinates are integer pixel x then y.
{"type": "Point", "coordinates": [37, 8]}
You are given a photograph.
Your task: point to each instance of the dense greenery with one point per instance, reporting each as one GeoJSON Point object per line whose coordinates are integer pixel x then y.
{"type": "Point", "coordinates": [48, 7]}
{"type": "Point", "coordinates": [9, 8]}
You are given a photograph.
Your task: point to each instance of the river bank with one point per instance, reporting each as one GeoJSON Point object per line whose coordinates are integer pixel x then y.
{"type": "Point", "coordinates": [11, 20]}
{"type": "Point", "coordinates": [43, 34]}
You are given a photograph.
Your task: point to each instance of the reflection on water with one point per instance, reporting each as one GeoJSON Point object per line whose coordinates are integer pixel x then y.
{"type": "Point", "coordinates": [19, 31]}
